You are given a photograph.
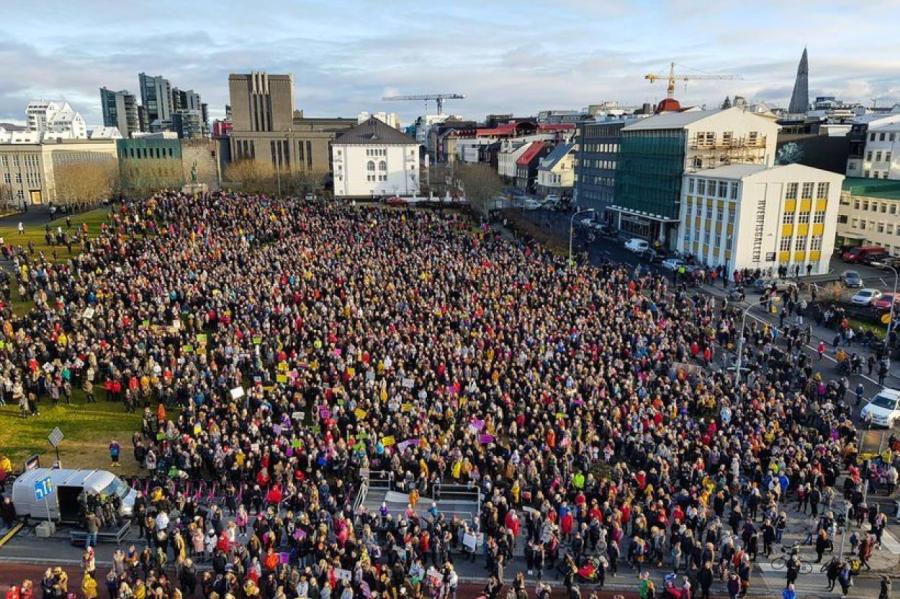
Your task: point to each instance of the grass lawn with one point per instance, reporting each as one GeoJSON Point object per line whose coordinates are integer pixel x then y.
{"type": "Point", "coordinates": [879, 330]}
{"type": "Point", "coordinates": [35, 234]}
{"type": "Point", "coordinates": [88, 429]}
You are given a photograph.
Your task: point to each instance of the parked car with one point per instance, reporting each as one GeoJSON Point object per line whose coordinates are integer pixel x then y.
{"type": "Point", "coordinates": [652, 256]}
{"type": "Point", "coordinates": [886, 263]}
{"type": "Point", "coordinates": [861, 254]}
{"type": "Point", "coordinates": [760, 285]}
{"type": "Point", "coordinates": [865, 297]}
{"type": "Point", "coordinates": [851, 278]}
{"type": "Point", "coordinates": [882, 410]}
{"type": "Point", "coordinates": [672, 263]}
{"type": "Point", "coordinates": [531, 204]}
{"type": "Point", "coordinates": [884, 302]}
{"type": "Point", "coordinates": [395, 201]}
{"type": "Point", "coordinates": [637, 245]}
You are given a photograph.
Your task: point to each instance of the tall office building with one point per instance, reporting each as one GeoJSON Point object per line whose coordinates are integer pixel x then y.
{"type": "Point", "coordinates": [262, 102]}
{"type": "Point", "coordinates": [156, 97]}
{"type": "Point", "coordinates": [185, 99]}
{"type": "Point", "coordinates": [800, 98]}
{"type": "Point", "coordinates": [120, 110]}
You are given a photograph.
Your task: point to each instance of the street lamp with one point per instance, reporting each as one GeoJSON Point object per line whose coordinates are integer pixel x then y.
{"type": "Point", "coordinates": [740, 347]}
{"type": "Point", "coordinates": [891, 315]}
{"type": "Point", "coordinates": [572, 227]}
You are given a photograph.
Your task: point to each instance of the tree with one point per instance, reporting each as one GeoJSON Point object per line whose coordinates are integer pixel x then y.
{"type": "Point", "coordinates": [85, 182]}
{"type": "Point", "coordinates": [254, 177]}
{"type": "Point", "coordinates": [305, 182]}
{"type": "Point", "coordinates": [6, 195]}
{"type": "Point", "coordinates": [480, 183]}
{"type": "Point", "coordinates": [141, 177]}
{"type": "Point", "coordinates": [726, 103]}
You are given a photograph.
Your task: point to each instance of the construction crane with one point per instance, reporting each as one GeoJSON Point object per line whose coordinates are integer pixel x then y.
{"type": "Point", "coordinates": [672, 78]}
{"type": "Point", "coordinates": [438, 98]}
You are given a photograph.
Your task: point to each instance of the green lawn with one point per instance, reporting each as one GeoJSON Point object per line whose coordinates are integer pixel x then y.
{"type": "Point", "coordinates": [35, 234]}
{"type": "Point", "coordinates": [88, 429]}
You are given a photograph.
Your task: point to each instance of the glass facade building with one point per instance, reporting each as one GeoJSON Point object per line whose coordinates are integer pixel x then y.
{"type": "Point", "coordinates": [649, 172]}
{"type": "Point", "coordinates": [595, 164]}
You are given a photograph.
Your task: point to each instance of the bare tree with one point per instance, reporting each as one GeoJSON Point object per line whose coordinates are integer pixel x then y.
{"type": "Point", "coordinates": [480, 183]}
{"type": "Point", "coordinates": [145, 176]}
{"type": "Point", "coordinates": [85, 182]}
{"type": "Point", "coordinates": [254, 177]}
{"type": "Point", "coordinates": [306, 182]}
{"type": "Point", "coordinates": [6, 196]}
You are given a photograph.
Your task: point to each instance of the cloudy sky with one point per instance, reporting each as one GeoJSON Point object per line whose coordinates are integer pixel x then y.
{"type": "Point", "coordinates": [504, 55]}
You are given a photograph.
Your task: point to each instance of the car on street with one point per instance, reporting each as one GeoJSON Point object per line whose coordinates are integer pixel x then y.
{"type": "Point", "coordinates": [531, 204]}
{"type": "Point", "coordinates": [672, 263]}
{"type": "Point", "coordinates": [851, 278]}
{"type": "Point", "coordinates": [884, 302]}
{"type": "Point", "coordinates": [882, 410]}
{"type": "Point", "coordinates": [395, 201]}
{"type": "Point", "coordinates": [864, 254]}
{"type": "Point", "coordinates": [636, 245]}
{"type": "Point", "coordinates": [781, 285]}
{"type": "Point", "coordinates": [865, 297]}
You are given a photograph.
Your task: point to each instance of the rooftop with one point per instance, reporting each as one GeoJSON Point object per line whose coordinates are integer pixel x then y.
{"type": "Point", "coordinates": [531, 153]}
{"type": "Point", "coordinates": [671, 120]}
{"type": "Point", "coordinates": [555, 155]}
{"type": "Point", "coordinates": [374, 131]}
{"type": "Point", "coordinates": [887, 189]}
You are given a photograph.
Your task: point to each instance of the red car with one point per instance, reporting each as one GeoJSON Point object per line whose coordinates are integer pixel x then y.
{"type": "Point", "coordinates": [395, 201]}
{"type": "Point", "coordinates": [884, 302]}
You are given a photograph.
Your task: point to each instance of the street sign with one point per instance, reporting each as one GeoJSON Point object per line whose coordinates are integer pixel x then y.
{"type": "Point", "coordinates": [55, 437]}
{"type": "Point", "coordinates": [42, 488]}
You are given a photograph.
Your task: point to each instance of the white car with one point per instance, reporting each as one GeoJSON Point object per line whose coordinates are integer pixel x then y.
{"type": "Point", "coordinates": [637, 245]}
{"type": "Point", "coordinates": [530, 204]}
{"type": "Point", "coordinates": [864, 297]}
{"type": "Point", "coordinates": [882, 410]}
{"type": "Point", "coordinates": [672, 263]}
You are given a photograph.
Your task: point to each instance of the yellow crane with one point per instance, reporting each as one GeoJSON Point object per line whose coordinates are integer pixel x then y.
{"type": "Point", "coordinates": [672, 77]}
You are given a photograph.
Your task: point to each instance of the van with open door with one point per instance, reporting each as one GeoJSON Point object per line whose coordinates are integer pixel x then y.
{"type": "Point", "coordinates": [61, 503]}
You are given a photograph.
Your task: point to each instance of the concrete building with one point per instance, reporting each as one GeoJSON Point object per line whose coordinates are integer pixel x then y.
{"type": "Point", "coordinates": [800, 96]}
{"type": "Point", "coordinates": [869, 214]}
{"type": "Point", "coordinates": [880, 157]}
{"type": "Point", "coordinates": [754, 216]}
{"type": "Point", "coordinates": [266, 128]}
{"type": "Point", "coordinates": [556, 171]}
{"type": "Point", "coordinates": [120, 110]}
{"type": "Point", "coordinates": [859, 139]}
{"type": "Point", "coordinates": [156, 97]}
{"type": "Point", "coordinates": [510, 151]}
{"type": "Point", "coordinates": [28, 166]}
{"type": "Point", "coordinates": [656, 152]}
{"type": "Point", "coordinates": [374, 159]}
{"type": "Point", "coordinates": [188, 124]}
{"type": "Point", "coordinates": [56, 119]}
{"type": "Point", "coordinates": [595, 164]}
{"type": "Point", "coordinates": [185, 99]}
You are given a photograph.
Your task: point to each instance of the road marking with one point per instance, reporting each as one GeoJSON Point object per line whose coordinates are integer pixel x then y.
{"type": "Point", "coordinates": [889, 542]}
{"type": "Point", "coordinates": [10, 533]}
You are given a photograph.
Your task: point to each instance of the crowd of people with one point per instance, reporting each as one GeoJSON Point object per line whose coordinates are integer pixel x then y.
{"type": "Point", "coordinates": [280, 350]}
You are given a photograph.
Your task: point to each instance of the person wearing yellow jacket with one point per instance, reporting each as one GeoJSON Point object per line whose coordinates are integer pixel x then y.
{"type": "Point", "coordinates": [89, 586]}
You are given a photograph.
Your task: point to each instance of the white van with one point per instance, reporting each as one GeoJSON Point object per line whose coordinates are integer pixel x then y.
{"type": "Point", "coordinates": [66, 486]}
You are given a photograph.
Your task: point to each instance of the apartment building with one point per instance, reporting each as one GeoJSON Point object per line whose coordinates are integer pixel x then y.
{"type": "Point", "coordinates": [869, 214]}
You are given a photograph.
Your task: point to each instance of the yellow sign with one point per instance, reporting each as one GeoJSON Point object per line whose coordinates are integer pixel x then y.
{"type": "Point", "coordinates": [388, 441]}
{"type": "Point", "coordinates": [360, 413]}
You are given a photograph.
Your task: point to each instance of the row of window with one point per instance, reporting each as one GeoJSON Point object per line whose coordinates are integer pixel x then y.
{"type": "Point", "coordinates": [382, 165]}
{"type": "Point", "coordinates": [882, 207]}
{"type": "Point", "coordinates": [880, 226]}
{"type": "Point", "coordinates": [708, 138]}
{"type": "Point", "coordinates": [157, 153]}
{"type": "Point", "coordinates": [878, 156]}
{"type": "Point", "coordinates": [713, 189]}
{"type": "Point", "coordinates": [609, 165]}
{"type": "Point", "coordinates": [806, 191]}
{"type": "Point", "coordinates": [802, 217]}
{"type": "Point", "coordinates": [376, 152]}
{"type": "Point", "coordinates": [376, 177]}
{"type": "Point", "coordinates": [874, 174]}
{"type": "Point", "coordinates": [799, 243]}
{"type": "Point", "coordinates": [605, 148]}
{"type": "Point", "coordinates": [882, 136]}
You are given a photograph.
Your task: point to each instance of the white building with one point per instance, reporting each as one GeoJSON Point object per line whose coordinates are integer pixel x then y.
{"type": "Point", "coordinates": [556, 172]}
{"type": "Point", "coordinates": [754, 216]}
{"type": "Point", "coordinates": [56, 119]}
{"type": "Point", "coordinates": [374, 159]}
{"type": "Point", "coordinates": [511, 149]}
{"type": "Point", "coordinates": [870, 214]}
{"type": "Point", "coordinates": [388, 118]}
{"type": "Point", "coordinates": [880, 159]}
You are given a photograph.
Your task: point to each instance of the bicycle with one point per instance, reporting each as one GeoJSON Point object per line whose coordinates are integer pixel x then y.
{"type": "Point", "coordinates": [780, 562]}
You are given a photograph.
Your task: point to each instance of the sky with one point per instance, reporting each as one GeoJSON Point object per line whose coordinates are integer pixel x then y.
{"type": "Point", "coordinates": [506, 56]}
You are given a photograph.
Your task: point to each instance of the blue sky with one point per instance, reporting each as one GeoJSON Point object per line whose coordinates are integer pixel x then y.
{"type": "Point", "coordinates": [506, 56]}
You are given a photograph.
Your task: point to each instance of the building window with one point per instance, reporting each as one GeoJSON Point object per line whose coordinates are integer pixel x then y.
{"type": "Point", "coordinates": [815, 243]}
{"type": "Point", "coordinates": [866, 174]}
{"type": "Point", "coordinates": [819, 217]}
{"type": "Point", "coordinates": [691, 186]}
{"type": "Point", "coordinates": [807, 191]}
{"type": "Point", "coordinates": [723, 189]}
{"type": "Point", "coordinates": [734, 190]}
{"type": "Point", "coordinates": [887, 156]}
{"type": "Point", "coordinates": [787, 218]}
{"type": "Point", "coordinates": [370, 166]}
{"type": "Point", "coordinates": [803, 217]}
{"type": "Point", "coordinates": [791, 193]}
{"type": "Point", "coordinates": [865, 205]}
{"type": "Point", "coordinates": [877, 156]}
{"type": "Point", "coordinates": [822, 190]}
{"type": "Point", "coordinates": [382, 165]}
{"type": "Point", "coordinates": [869, 156]}
{"type": "Point", "coordinates": [701, 187]}
{"type": "Point", "coordinates": [881, 137]}
{"type": "Point", "coordinates": [800, 244]}
{"type": "Point", "coordinates": [881, 226]}
{"type": "Point", "coordinates": [785, 244]}
{"type": "Point", "coordinates": [872, 137]}
{"type": "Point", "coordinates": [893, 209]}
